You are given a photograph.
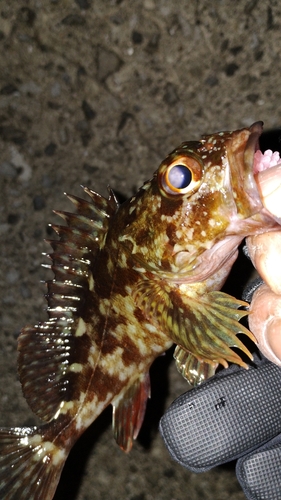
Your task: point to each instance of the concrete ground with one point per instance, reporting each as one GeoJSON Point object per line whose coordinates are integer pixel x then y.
{"type": "Point", "coordinates": [97, 92]}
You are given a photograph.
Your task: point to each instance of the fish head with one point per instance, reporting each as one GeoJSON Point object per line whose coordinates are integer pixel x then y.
{"type": "Point", "coordinates": [182, 230]}
{"type": "Point", "coordinates": [187, 222]}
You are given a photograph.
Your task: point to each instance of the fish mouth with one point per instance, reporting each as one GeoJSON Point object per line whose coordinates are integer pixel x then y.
{"type": "Point", "coordinates": [266, 172]}
{"type": "Point", "coordinates": [250, 151]}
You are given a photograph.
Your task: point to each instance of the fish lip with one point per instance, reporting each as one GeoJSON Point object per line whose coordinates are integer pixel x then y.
{"type": "Point", "coordinates": [256, 130]}
{"type": "Point", "coordinates": [251, 147]}
{"type": "Point", "coordinates": [261, 174]}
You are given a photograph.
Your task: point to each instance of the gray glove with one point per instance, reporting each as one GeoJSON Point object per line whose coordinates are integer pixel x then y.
{"type": "Point", "coordinates": [234, 415]}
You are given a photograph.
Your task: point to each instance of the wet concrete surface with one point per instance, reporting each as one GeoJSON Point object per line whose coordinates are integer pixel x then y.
{"type": "Point", "coordinates": [97, 93]}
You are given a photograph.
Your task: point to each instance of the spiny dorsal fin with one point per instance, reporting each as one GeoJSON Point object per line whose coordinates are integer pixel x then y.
{"type": "Point", "coordinates": [52, 358]}
{"type": "Point", "coordinates": [204, 325]}
{"type": "Point", "coordinates": [91, 218]}
{"type": "Point", "coordinates": [52, 355]}
{"type": "Point", "coordinates": [74, 253]}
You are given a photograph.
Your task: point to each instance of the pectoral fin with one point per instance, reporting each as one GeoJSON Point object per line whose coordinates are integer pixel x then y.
{"type": "Point", "coordinates": [208, 328]}
{"type": "Point", "coordinates": [204, 325]}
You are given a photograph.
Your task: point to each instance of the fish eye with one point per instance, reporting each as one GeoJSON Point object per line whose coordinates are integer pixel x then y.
{"type": "Point", "coordinates": [179, 177]}
{"type": "Point", "coordinates": [182, 176]}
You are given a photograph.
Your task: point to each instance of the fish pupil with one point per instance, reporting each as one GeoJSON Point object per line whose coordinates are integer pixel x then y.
{"type": "Point", "coordinates": [180, 176]}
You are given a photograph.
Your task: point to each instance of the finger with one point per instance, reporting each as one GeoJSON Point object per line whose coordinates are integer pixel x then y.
{"type": "Point", "coordinates": [265, 322]}
{"type": "Point", "coordinates": [264, 251]}
{"type": "Point", "coordinates": [260, 472]}
{"type": "Point", "coordinates": [269, 185]}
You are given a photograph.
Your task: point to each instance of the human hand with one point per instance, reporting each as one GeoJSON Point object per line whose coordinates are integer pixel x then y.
{"type": "Point", "coordinates": [236, 414]}
{"type": "Point", "coordinates": [265, 309]}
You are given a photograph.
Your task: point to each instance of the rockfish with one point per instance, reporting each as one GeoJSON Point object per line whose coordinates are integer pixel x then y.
{"type": "Point", "coordinates": [129, 281]}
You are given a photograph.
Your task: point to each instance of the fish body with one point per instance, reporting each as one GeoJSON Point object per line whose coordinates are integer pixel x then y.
{"type": "Point", "coordinates": [130, 281]}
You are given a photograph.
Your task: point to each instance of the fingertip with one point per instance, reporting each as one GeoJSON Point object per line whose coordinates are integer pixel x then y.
{"type": "Point", "coordinates": [269, 184]}
{"type": "Point", "coordinates": [264, 251]}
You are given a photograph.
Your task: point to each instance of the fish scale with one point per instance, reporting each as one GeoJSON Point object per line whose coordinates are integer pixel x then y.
{"type": "Point", "coordinates": [129, 281]}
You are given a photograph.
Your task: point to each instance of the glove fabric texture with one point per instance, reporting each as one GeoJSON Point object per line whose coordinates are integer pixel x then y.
{"type": "Point", "coordinates": [234, 415]}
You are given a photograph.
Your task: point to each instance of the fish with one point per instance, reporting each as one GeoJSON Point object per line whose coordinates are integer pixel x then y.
{"type": "Point", "coordinates": [130, 281]}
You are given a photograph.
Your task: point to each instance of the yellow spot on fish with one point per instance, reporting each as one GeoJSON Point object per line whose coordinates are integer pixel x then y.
{"type": "Point", "coordinates": [76, 367]}
{"type": "Point", "coordinates": [102, 308]}
{"type": "Point", "coordinates": [44, 450]}
{"type": "Point", "coordinates": [91, 281]}
{"type": "Point", "coordinates": [67, 405]}
{"type": "Point", "coordinates": [81, 328]}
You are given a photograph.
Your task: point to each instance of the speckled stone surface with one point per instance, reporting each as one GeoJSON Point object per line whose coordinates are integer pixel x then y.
{"type": "Point", "coordinates": [97, 92]}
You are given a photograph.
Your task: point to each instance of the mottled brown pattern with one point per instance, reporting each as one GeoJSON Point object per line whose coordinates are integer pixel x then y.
{"type": "Point", "coordinates": [89, 312]}
{"type": "Point", "coordinates": [139, 315]}
{"type": "Point", "coordinates": [131, 353]}
{"type": "Point", "coordinates": [176, 299]}
{"type": "Point", "coordinates": [128, 282]}
{"type": "Point", "coordinates": [171, 233]}
{"type": "Point", "coordinates": [75, 384]}
{"type": "Point", "coordinates": [110, 342]}
{"type": "Point", "coordinates": [124, 276]}
{"type": "Point", "coordinates": [142, 235]}
{"type": "Point", "coordinates": [102, 276]}
{"type": "Point", "coordinates": [81, 350]}
{"type": "Point", "coordinates": [103, 383]}
{"type": "Point", "coordinates": [170, 206]}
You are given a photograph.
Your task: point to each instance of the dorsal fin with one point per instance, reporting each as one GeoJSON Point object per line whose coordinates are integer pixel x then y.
{"type": "Point", "coordinates": [91, 217]}
{"type": "Point", "coordinates": [52, 354]}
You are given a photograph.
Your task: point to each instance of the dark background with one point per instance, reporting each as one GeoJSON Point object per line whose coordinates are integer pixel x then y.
{"type": "Point", "coordinates": [95, 93]}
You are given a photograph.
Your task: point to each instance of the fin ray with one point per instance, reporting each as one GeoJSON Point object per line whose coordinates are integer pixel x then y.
{"type": "Point", "coordinates": [193, 370]}
{"type": "Point", "coordinates": [128, 412]}
{"type": "Point", "coordinates": [204, 325]}
{"type": "Point", "coordinates": [53, 354]}
{"type": "Point", "coordinates": [28, 468]}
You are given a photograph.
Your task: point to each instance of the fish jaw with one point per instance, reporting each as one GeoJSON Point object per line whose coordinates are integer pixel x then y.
{"type": "Point", "coordinates": [245, 161]}
{"type": "Point", "coordinates": [261, 175]}
{"type": "Point", "coordinates": [248, 186]}
{"type": "Point", "coordinates": [263, 178]}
